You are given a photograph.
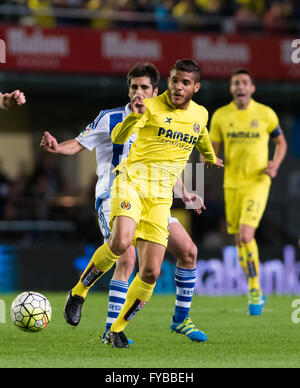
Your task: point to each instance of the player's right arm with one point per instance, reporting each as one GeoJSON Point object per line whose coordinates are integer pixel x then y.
{"type": "Point", "coordinates": [68, 147]}
{"type": "Point", "coordinates": [123, 130]}
{"type": "Point", "coordinates": [216, 146]}
{"type": "Point", "coordinates": [215, 133]}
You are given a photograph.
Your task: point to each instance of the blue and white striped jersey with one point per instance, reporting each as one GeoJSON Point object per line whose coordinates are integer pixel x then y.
{"type": "Point", "coordinates": [108, 155]}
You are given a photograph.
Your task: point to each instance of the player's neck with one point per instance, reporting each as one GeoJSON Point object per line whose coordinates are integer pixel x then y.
{"type": "Point", "coordinates": [242, 105]}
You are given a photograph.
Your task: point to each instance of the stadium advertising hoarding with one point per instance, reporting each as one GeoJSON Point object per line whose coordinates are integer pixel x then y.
{"type": "Point", "coordinates": [218, 272]}
{"type": "Point", "coordinates": [223, 275]}
{"type": "Point", "coordinates": [79, 50]}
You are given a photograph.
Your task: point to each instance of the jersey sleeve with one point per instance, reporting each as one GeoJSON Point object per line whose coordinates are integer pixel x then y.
{"type": "Point", "coordinates": [273, 124]}
{"type": "Point", "coordinates": [204, 146]}
{"type": "Point", "coordinates": [122, 131]}
{"type": "Point", "coordinates": [92, 135]}
{"type": "Point", "coordinates": [215, 131]}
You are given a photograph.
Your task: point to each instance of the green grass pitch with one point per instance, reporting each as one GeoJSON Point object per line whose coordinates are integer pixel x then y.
{"type": "Point", "coordinates": [235, 340]}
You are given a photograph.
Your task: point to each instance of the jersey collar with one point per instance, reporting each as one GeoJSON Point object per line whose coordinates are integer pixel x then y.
{"type": "Point", "coordinates": [249, 107]}
{"type": "Point", "coordinates": [168, 101]}
{"type": "Point", "coordinates": [127, 109]}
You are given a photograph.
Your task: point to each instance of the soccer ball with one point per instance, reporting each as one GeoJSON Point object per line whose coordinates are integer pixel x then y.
{"type": "Point", "coordinates": [31, 311]}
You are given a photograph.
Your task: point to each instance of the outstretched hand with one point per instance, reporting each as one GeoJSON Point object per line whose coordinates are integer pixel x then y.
{"type": "Point", "coordinates": [49, 143]}
{"type": "Point", "coordinates": [219, 163]}
{"type": "Point", "coordinates": [194, 201]}
{"type": "Point", "coordinates": [14, 99]}
{"type": "Point", "coordinates": [272, 169]}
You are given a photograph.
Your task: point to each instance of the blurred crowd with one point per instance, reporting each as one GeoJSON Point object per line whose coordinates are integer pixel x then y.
{"type": "Point", "coordinates": [44, 196]}
{"type": "Point", "coordinates": [26, 196]}
{"type": "Point", "coordinates": [271, 16]}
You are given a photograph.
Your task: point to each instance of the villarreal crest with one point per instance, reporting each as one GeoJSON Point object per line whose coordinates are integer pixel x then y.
{"type": "Point", "coordinates": [196, 128]}
{"type": "Point", "coordinates": [125, 205]}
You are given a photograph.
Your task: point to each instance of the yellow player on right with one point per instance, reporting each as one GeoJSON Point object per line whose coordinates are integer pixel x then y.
{"type": "Point", "coordinates": [245, 127]}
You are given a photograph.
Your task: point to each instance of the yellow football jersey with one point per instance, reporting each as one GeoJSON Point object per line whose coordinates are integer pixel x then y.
{"type": "Point", "coordinates": [165, 139]}
{"type": "Point", "coordinates": [245, 134]}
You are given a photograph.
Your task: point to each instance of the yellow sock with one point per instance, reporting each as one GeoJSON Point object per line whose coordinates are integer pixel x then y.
{"type": "Point", "coordinates": [242, 254]}
{"type": "Point", "coordinates": [253, 265]}
{"type": "Point", "coordinates": [103, 259]}
{"type": "Point", "coordinates": [138, 294]}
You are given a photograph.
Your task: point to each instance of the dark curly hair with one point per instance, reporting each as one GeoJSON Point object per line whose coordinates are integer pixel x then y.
{"type": "Point", "coordinates": [145, 69]}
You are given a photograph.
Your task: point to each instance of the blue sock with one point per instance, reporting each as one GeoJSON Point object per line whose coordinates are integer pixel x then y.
{"type": "Point", "coordinates": [117, 296]}
{"type": "Point", "coordinates": [185, 283]}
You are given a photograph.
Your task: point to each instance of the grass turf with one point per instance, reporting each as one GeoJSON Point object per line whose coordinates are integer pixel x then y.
{"type": "Point", "coordinates": [235, 340]}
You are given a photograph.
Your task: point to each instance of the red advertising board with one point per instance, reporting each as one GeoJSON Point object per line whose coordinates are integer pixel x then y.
{"type": "Point", "coordinates": [86, 51]}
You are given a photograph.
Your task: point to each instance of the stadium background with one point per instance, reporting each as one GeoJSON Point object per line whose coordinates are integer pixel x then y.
{"type": "Point", "coordinates": [70, 57]}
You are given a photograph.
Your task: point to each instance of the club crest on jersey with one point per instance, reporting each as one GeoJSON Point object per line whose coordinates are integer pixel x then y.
{"type": "Point", "coordinates": [196, 128]}
{"type": "Point", "coordinates": [254, 124]}
{"type": "Point", "coordinates": [126, 205]}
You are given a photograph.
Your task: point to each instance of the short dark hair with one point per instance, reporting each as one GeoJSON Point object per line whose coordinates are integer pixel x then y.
{"type": "Point", "coordinates": [243, 70]}
{"type": "Point", "coordinates": [188, 65]}
{"type": "Point", "coordinates": [145, 69]}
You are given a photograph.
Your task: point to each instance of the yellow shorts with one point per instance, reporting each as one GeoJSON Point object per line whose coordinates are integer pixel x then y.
{"type": "Point", "coordinates": [150, 214]}
{"type": "Point", "coordinates": [245, 206]}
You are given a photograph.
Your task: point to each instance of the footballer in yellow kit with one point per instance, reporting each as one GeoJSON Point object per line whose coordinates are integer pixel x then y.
{"type": "Point", "coordinates": [244, 127]}
{"type": "Point", "coordinates": [168, 127]}
{"type": "Point", "coordinates": [166, 137]}
{"type": "Point", "coordinates": [245, 134]}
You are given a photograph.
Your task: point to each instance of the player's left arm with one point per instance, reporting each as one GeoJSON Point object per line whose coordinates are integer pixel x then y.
{"type": "Point", "coordinates": [123, 130]}
{"type": "Point", "coordinates": [10, 101]}
{"type": "Point", "coordinates": [205, 147]}
{"type": "Point", "coordinates": [192, 200]}
{"type": "Point", "coordinates": [279, 155]}
{"type": "Point", "coordinates": [280, 143]}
